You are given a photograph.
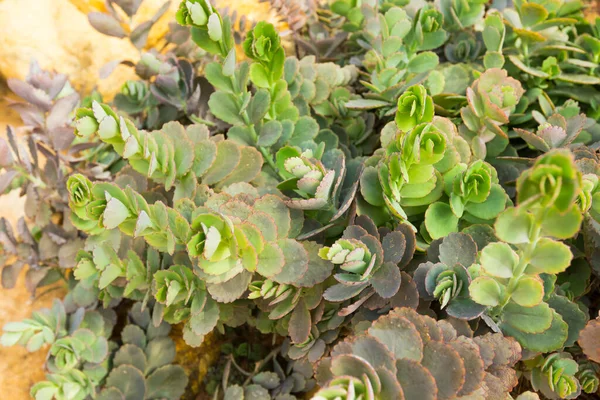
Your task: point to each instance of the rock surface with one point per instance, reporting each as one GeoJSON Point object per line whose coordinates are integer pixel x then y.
{"type": "Point", "coordinates": [58, 34]}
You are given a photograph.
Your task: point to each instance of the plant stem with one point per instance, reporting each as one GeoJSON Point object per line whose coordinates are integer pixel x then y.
{"type": "Point", "coordinates": [262, 364]}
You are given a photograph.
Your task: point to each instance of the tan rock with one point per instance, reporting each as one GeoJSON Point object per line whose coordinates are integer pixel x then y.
{"type": "Point", "coordinates": [59, 36]}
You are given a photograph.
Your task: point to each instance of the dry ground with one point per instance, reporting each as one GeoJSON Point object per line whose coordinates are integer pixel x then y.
{"type": "Point", "coordinates": [19, 369]}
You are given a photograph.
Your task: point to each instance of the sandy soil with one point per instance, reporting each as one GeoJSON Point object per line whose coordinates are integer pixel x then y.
{"type": "Point", "coordinates": [19, 369]}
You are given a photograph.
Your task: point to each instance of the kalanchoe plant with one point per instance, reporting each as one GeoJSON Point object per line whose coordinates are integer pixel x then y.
{"type": "Point", "coordinates": [492, 98]}
{"type": "Point", "coordinates": [555, 376]}
{"type": "Point", "coordinates": [511, 282]}
{"type": "Point", "coordinates": [369, 263]}
{"type": "Point", "coordinates": [415, 106]}
{"type": "Point", "coordinates": [446, 277]}
{"type": "Point", "coordinates": [474, 195]}
{"type": "Point", "coordinates": [319, 220]}
{"type": "Point", "coordinates": [380, 364]}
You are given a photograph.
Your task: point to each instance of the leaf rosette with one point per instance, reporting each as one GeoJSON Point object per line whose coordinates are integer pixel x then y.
{"type": "Point", "coordinates": [415, 107]}
{"type": "Point", "coordinates": [405, 179]}
{"type": "Point", "coordinates": [557, 131]}
{"type": "Point", "coordinates": [307, 177]}
{"type": "Point", "coordinates": [428, 30]}
{"type": "Point", "coordinates": [445, 277]}
{"type": "Point", "coordinates": [491, 100]}
{"type": "Point", "coordinates": [474, 195]}
{"type": "Point", "coordinates": [463, 48]}
{"type": "Point", "coordinates": [554, 182]}
{"type": "Point", "coordinates": [555, 376]}
{"type": "Point", "coordinates": [369, 264]}
{"type": "Point", "coordinates": [208, 28]}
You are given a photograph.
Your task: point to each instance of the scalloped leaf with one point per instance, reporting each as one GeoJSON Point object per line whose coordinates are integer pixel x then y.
{"type": "Point", "coordinates": [399, 335]}
{"type": "Point", "coordinates": [129, 381]}
{"type": "Point", "coordinates": [167, 382]}
{"type": "Point", "coordinates": [416, 380]}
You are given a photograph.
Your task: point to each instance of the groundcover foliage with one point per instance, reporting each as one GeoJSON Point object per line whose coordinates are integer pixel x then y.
{"type": "Point", "coordinates": [407, 208]}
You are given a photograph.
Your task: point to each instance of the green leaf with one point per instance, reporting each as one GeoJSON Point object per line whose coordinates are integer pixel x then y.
{"type": "Point", "coordinates": [549, 257]}
{"type": "Point", "coordinates": [528, 292]}
{"type": "Point", "coordinates": [499, 260]}
{"type": "Point", "coordinates": [552, 338]}
{"type": "Point", "coordinates": [110, 273]}
{"type": "Point", "coordinates": [270, 133]}
{"type": "Point", "coordinates": [215, 76]}
{"type": "Point", "coordinates": [561, 225]}
{"type": "Point", "coordinates": [571, 314]}
{"type": "Point", "coordinates": [493, 59]}
{"type": "Point", "coordinates": [579, 79]}
{"type": "Point", "coordinates": [366, 104]}
{"type": "Point", "coordinates": [259, 76]}
{"type": "Point", "coordinates": [224, 107]}
{"type": "Point", "coordinates": [514, 226]}
{"type": "Point", "coordinates": [270, 260]}
{"type": "Point", "coordinates": [423, 62]}
{"type": "Point", "coordinates": [532, 14]}
{"type": "Point", "coordinates": [491, 207]}
{"type": "Point", "coordinates": [531, 71]}
{"type": "Point", "coordinates": [440, 220]}
{"type": "Point", "coordinates": [114, 214]}
{"type": "Point", "coordinates": [227, 159]}
{"type": "Point", "coordinates": [167, 382]}
{"type": "Point", "coordinates": [259, 105]}
{"type": "Point", "coordinates": [486, 291]}
{"type": "Point", "coordinates": [534, 319]}
{"type": "Point", "coordinates": [370, 188]}
{"type": "Point", "coordinates": [129, 380]}
{"type": "Point", "coordinates": [129, 354]}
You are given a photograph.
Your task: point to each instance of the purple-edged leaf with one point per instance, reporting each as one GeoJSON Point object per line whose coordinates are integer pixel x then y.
{"type": "Point", "coordinates": [106, 24]}
{"type": "Point", "coordinates": [416, 380]}
{"type": "Point", "coordinates": [464, 308]}
{"type": "Point", "coordinates": [6, 179]}
{"type": "Point", "coordinates": [458, 248]}
{"type": "Point", "coordinates": [61, 110]}
{"type": "Point", "coordinates": [10, 274]}
{"type": "Point", "coordinates": [318, 269]}
{"type": "Point", "coordinates": [399, 335]}
{"type": "Point", "coordinates": [340, 292]}
{"type": "Point", "coordinates": [394, 246]}
{"type": "Point", "coordinates": [296, 262]}
{"type": "Point", "coordinates": [408, 295]}
{"type": "Point", "coordinates": [231, 290]}
{"type": "Point", "coordinates": [30, 94]}
{"type": "Point", "coordinates": [386, 280]}
{"type": "Point", "coordinates": [6, 157]}
{"type": "Point", "coordinates": [300, 323]}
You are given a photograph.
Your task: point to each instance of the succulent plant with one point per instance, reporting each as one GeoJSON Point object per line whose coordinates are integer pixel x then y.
{"type": "Point", "coordinates": [510, 281]}
{"type": "Point", "coordinates": [554, 376]}
{"type": "Point", "coordinates": [555, 133]}
{"type": "Point", "coordinates": [318, 220]}
{"type": "Point", "coordinates": [446, 277]}
{"type": "Point", "coordinates": [463, 47]}
{"type": "Point", "coordinates": [492, 98]}
{"type": "Point", "coordinates": [369, 264]}
{"type": "Point", "coordinates": [474, 195]}
{"type": "Point", "coordinates": [460, 14]}
{"type": "Point", "coordinates": [407, 355]}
